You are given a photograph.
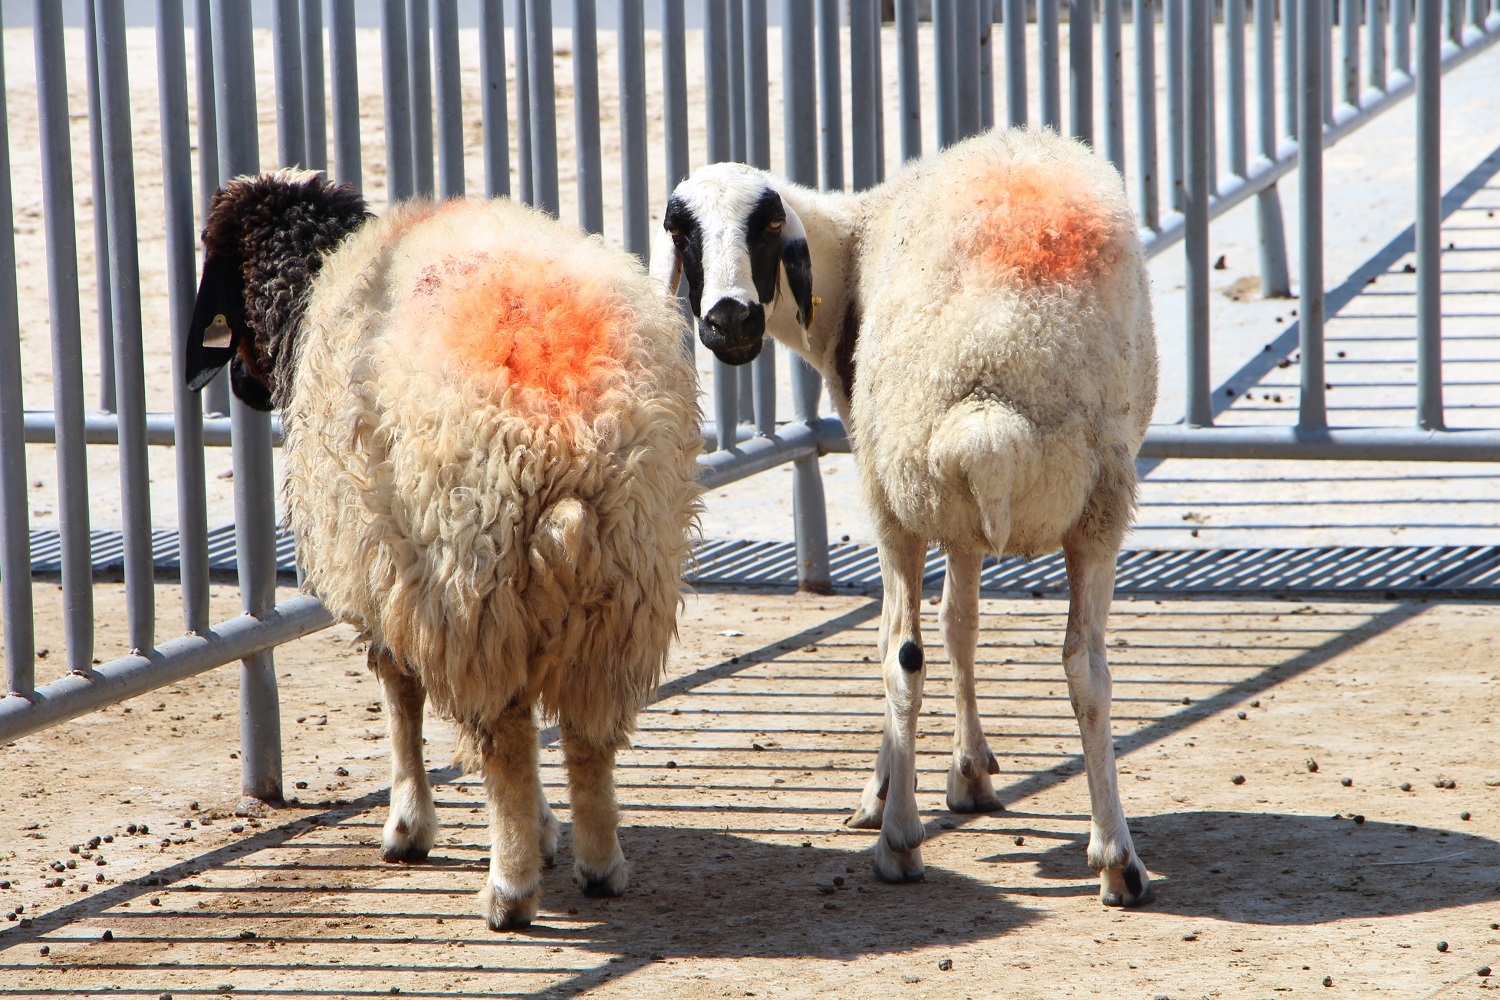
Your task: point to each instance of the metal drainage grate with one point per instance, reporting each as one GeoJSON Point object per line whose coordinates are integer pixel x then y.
{"type": "Point", "coordinates": [1382, 572]}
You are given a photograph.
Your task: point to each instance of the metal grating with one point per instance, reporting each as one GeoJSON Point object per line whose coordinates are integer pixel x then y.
{"type": "Point", "coordinates": [1383, 571]}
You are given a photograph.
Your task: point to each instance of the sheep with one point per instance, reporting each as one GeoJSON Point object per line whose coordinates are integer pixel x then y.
{"type": "Point", "coordinates": [983, 323]}
{"type": "Point", "coordinates": [490, 445]}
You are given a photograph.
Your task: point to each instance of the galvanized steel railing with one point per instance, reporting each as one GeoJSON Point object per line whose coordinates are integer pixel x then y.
{"type": "Point", "coordinates": [1176, 195]}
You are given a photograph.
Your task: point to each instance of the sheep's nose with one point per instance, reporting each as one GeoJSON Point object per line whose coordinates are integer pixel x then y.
{"type": "Point", "coordinates": [733, 330]}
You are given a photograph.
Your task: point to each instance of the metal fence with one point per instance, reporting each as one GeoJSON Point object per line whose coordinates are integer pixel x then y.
{"type": "Point", "coordinates": [1187, 158]}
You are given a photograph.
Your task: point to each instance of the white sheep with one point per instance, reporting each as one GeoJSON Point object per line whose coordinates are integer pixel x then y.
{"type": "Point", "coordinates": [491, 439]}
{"type": "Point", "coordinates": [983, 322]}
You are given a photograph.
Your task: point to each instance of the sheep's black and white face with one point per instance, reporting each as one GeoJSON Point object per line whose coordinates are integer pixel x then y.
{"type": "Point", "coordinates": [728, 231]}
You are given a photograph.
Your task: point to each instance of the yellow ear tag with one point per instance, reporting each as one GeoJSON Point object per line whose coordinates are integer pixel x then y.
{"type": "Point", "coordinates": [817, 300]}
{"type": "Point", "coordinates": [218, 333]}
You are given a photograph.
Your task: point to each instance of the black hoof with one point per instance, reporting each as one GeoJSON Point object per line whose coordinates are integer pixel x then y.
{"type": "Point", "coordinates": [409, 855]}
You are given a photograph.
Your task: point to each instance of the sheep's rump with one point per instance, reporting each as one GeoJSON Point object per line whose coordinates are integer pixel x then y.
{"type": "Point", "coordinates": [1005, 353]}
{"type": "Point", "coordinates": [491, 459]}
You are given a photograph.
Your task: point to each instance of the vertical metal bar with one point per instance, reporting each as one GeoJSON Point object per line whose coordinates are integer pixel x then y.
{"type": "Point", "coordinates": [208, 146]}
{"type": "Point", "coordinates": [344, 68]}
{"type": "Point", "coordinates": [1199, 184]}
{"type": "Point", "coordinates": [1081, 68]}
{"type": "Point", "coordinates": [1173, 42]}
{"type": "Point", "coordinates": [495, 115]}
{"type": "Point", "coordinates": [986, 62]}
{"type": "Point", "coordinates": [1290, 61]}
{"type": "Point", "coordinates": [104, 309]}
{"type": "Point", "coordinates": [1211, 88]}
{"type": "Point", "coordinates": [1274, 279]}
{"type": "Point", "coordinates": [543, 104]}
{"type": "Point", "coordinates": [1454, 20]}
{"type": "Point", "coordinates": [635, 177]}
{"type": "Point", "coordinates": [1328, 70]}
{"type": "Point", "coordinates": [130, 368]}
{"type": "Point", "coordinates": [17, 627]}
{"type": "Point", "coordinates": [1401, 32]}
{"type": "Point", "coordinates": [945, 70]}
{"type": "Point", "coordinates": [1312, 410]}
{"type": "Point", "coordinates": [398, 162]}
{"type": "Point", "coordinates": [757, 101]}
{"type": "Point", "coordinates": [177, 196]}
{"type": "Point", "coordinates": [735, 58]}
{"type": "Point", "coordinates": [586, 117]}
{"type": "Point", "coordinates": [1114, 84]}
{"type": "Point", "coordinates": [1375, 20]}
{"type": "Point", "coordinates": [450, 99]}
{"type": "Point", "coordinates": [419, 70]}
{"type": "Point", "coordinates": [801, 149]}
{"type": "Point", "coordinates": [524, 162]}
{"type": "Point", "coordinates": [1145, 122]}
{"type": "Point", "coordinates": [862, 99]}
{"type": "Point", "coordinates": [254, 506]}
{"type": "Point", "coordinates": [1429, 223]}
{"type": "Point", "coordinates": [966, 27]}
{"type": "Point", "coordinates": [758, 154]}
{"type": "Point", "coordinates": [1051, 63]}
{"type": "Point", "coordinates": [674, 87]}
{"type": "Point", "coordinates": [286, 40]}
{"type": "Point", "coordinates": [830, 96]}
{"type": "Point", "coordinates": [314, 95]}
{"type": "Point", "coordinates": [67, 350]}
{"type": "Point", "coordinates": [1015, 62]}
{"type": "Point", "coordinates": [1234, 68]}
{"type": "Point", "coordinates": [877, 75]}
{"type": "Point", "coordinates": [1349, 35]}
{"type": "Point", "coordinates": [908, 81]}
{"type": "Point", "coordinates": [1476, 14]}
{"type": "Point", "coordinates": [716, 79]}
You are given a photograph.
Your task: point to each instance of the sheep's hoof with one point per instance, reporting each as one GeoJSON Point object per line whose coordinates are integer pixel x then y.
{"type": "Point", "coordinates": [399, 844]}
{"type": "Point", "coordinates": [970, 791]}
{"type": "Point", "coordinates": [1128, 886]}
{"type": "Point", "coordinates": [551, 830]}
{"type": "Point", "coordinates": [871, 806]}
{"type": "Point", "coordinates": [505, 913]}
{"type": "Point", "coordinates": [892, 865]}
{"type": "Point", "coordinates": [611, 883]}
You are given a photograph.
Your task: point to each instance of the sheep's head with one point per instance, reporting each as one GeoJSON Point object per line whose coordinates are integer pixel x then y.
{"type": "Point", "coordinates": [263, 244]}
{"type": "Point", "coordinates": [729, 231]}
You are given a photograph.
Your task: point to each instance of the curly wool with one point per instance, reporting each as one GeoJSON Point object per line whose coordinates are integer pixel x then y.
{"type": "Point", "coordinates": [504, 538]}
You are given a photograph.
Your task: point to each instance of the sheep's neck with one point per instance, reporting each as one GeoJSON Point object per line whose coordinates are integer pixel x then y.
{"type": "Point", "coordinates": [833, 224]}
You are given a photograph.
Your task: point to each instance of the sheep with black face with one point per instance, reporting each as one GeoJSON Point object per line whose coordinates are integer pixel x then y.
{"type": "Point", "coordinates": [490, 449]}
{"type": "Point", "coordinates": [983, 322]}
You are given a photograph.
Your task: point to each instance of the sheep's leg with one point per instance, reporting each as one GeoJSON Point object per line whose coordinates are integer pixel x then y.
{"type": "Point", "coordinates": [599, 866]}
{"type": "Point", "coordinates": [412, 825]}
{"type": "Point", "coordinates": [1091, 579]}
{"type": "Point", "coordinates": [898, 854]}
{"type": "Point", "coordinates": [551, 828]}
{"type": "Point", "coordinates": [969, 788]}
{"type": "Point", "coordinates": [508, 751]}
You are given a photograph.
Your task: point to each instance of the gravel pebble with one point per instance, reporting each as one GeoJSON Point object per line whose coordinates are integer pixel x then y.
{"type": "Point", "coordinates": [1483, 970]}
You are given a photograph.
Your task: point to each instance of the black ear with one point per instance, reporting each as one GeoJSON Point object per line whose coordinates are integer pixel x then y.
{"type": "Point", "coordinates": [218, 321]}
{"type": "Point", "coordinates": [797, 263]}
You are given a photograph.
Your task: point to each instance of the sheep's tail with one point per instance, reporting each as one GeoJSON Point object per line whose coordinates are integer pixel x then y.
{"type": "Point", "coordinates": [993, 450]}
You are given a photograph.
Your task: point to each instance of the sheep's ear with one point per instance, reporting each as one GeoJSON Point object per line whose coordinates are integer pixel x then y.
{"type": "Point", "coordinates": [796, 264]}
{"type": "Point", "coordinates": [218, 321]}
{"type": "Point", "coordinates": [666, 262]}
{"type": "Point", "coordinates": [248, 389]}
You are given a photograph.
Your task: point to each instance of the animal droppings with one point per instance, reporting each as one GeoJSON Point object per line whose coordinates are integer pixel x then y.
{"type": "Point", "coordinates": [1406, 786]}
{"type": "Point", "coordinates": [1327, 980]}
{"type": "Point", "coordinates": [1020, 841]}
{"type": "Point", "coordinates": [1463, 816]}
{"type": "Point", "coordinates": [1346, 782]}
{"type": "Point", "coordinates": [1359, 819]}
{"type": "Point", "coordinates": [107, 936]}
{"type": "Point", "coordinates": [44, 950]}
{"type": "Point", "coordinates": [1442, 946]}
{"type": "Point", "coordinates": [1240, 715]}
{"type": "Point", "coordinates": [946, 964]}
{"type": "Point", "coordinates": [1238, 779]}
{"type": "Point", "coordinates": [1483, 970]}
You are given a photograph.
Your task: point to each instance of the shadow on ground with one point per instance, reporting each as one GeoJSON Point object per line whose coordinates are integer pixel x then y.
{"type": "Point", "coordinates": [1281, 869]}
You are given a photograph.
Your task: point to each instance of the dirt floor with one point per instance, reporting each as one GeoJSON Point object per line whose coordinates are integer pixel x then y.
{"type": "Point", "coordinates": [1337, 881]}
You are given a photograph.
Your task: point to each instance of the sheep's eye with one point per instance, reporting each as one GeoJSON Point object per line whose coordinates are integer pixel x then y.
{"type": "Point", "coordinates": [673, 232]}
{"type": "Point", "coordinates": [775, 225]}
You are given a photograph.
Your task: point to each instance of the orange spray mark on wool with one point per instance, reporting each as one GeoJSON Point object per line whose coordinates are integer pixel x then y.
{"type": "Point", "coordinates": [524, 319]}
{"type": "Point", "coordinates": [1037, 224]}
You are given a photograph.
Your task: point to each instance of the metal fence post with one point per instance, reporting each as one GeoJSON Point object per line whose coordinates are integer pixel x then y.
{"type": "Point", "coordinates": [398, 162]}
{"type": "Point", "coordinates": [908, 81]}
{"type": "Point", "coordinates": [16, 625]}
{"type": "Point", "coordinates": [800, 130]}
{"type": "Point", "coordinates": [314, 93]}
{"type": "Point", "coordinates": [419, 75]}
{"type": "Point", "coordinates": [1145, 87]}
{"type": "Point", "coordinates": [1312, 409]}
{"type": "Point", "coordinates": [831, 97]}
{"type": "Point", "coordinates": [67, 350]}
{"type": "Point", "coordinates": [543, 105]}
{"type": "Point", "coordinates": [102, 297]}
{"type": "Point", "coordinates": [286, 34]}
{"type": "Point", "coordinates": [254, 507]}
{"type": "Point", "coordinates": [1429, 221]}
{"type": "Point", "coordinates": [1081, 68]}
{"type": "Point", "coordinates": [945, 70]}
{"type": "Point", "coordinates": [586, 115]}
{"type": "Point", "coordinates": [450, 111]}
{"type": "Point", "coordinates": [635, 177]}
{"type": "Point", "coordinates": [492, 99]}
{"type": "Point", "coordinates": [1199, 183]}
{"type": "Point", "coordinates": [1049, 59]}
{"type": "Point", "coordinates": [1275, 282]}
{"type": "Point", "coordinates": [344, 66]}
{"type": "Point", "coordinates": [525, 165]}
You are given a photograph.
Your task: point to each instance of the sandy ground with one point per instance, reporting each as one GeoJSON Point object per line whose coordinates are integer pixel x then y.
{"type": "Point", "coordinates": [745, 881]}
